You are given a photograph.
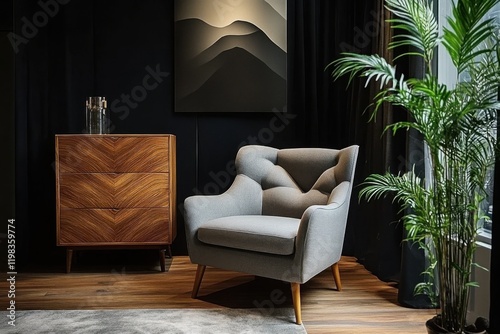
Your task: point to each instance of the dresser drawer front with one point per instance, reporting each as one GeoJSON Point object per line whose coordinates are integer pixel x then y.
{"type": "Point", "coordinates": [142, 155]}
{"type": "Point", "coordinates": [87, 190]}
{"type": "Point", "coordinates": [106, 227]}
{"type": "Point", "coordinates": [135, 190]}
{"type": "Point", "coordinates": [86, 226]}
{"type": "Point", "coordinates": [143, 226]}
{"type": "Point", "coordinates": [106, 154]}
{"type": "Point", "coordinates": [114, 191]}
{"type": "Point", "coordinates": [82, 154]}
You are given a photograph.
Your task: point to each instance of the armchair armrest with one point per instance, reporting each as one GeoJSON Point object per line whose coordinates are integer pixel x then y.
{"type": "Point", "coordinates": [244, 197]}
{"type": "Point", "coordinates": [321, 232]}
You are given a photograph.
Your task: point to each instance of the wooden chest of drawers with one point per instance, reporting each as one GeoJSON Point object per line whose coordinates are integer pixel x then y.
{"type": "Point", "coordinates": [115, 191]}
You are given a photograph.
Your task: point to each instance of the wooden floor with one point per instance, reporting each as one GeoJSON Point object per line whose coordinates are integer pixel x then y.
{"type": "Point", "coordinates": [366, 305]}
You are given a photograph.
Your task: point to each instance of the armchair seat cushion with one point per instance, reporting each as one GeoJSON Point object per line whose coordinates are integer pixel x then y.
{"type": "Point", "coordinates": [266, 234]}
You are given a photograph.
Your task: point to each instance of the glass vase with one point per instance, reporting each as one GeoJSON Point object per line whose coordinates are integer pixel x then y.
{"type": "Point", "coordinates": [96, 117]}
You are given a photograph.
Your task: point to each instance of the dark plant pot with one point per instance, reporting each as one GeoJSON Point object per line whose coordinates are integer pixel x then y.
{"type": "Point", "coordinates": [479, 327]}
{"type": "Point", "coordinates": [433, 327]}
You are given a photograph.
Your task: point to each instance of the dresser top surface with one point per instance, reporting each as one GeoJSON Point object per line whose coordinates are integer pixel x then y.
{"type": "Point", "coordinates": [114, 135]}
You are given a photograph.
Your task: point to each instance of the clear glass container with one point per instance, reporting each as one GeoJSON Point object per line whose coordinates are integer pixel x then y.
{"type": "Point", "coordinates": [96, 115]}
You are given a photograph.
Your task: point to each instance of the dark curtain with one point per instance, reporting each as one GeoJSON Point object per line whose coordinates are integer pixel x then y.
{"type": "Point", "coordinates": [83, 48]}
{"type": "Point", "coordinates": [334, 116]}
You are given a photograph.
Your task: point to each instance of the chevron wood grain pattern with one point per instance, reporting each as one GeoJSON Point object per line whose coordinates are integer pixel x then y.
{"type": "Point", "coordinates": [115, 190]}
{"type": "Point", "coordinates": [122, 280]}
{"type": "Point", "coordinates": [85, 154]}
{"type": "Point", "coordinates": [147, 226]}
{"type": "Point", "coordinates": [94, 227]}
{"type": "Point", "coordinates": [133, 190]}
{"type": "Point", "coordinates": [93, 190]}
{"type": "Point", "coordinates": [102, 190]}
{"type": "Point", "coordinates": [80, 227]}
{"type": "Point", "coordinates": [144, 155]}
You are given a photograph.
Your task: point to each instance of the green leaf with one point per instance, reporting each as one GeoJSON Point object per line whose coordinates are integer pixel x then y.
{"type": "Point", "coordinates": [372, 67]}
{"type": "Point", "coordinates": [467, 31]}
{"type": "Point", "coordinates": [416, 18]}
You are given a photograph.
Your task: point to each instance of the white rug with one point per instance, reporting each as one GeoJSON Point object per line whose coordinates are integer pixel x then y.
{"type": "Point", "coordinates": [189, 321]}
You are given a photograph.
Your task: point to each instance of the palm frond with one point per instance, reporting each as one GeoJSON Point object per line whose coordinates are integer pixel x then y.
{"type": "Point", "coordinates": [426, 101]}
{"type": "Point", "coordinates": [410, 192]}
{"type": "Point", "coordinates": [371, 67]}
{"type": "Point", "coordinates": [467, 31]}
{"type": "Point", "coordinates": [416, 18]}
{"type": "Point", "coordinates": [482, 80]}
{"type": "Point", "coordinates": [405, 188]}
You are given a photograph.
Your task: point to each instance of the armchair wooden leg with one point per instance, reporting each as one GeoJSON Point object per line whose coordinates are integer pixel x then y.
{"type": "Point", "coordinates": [336, 276]}
{"type": "Point", "coordinates": [197, 281]}
{"type": "Point", "coordinates": [296, 302]}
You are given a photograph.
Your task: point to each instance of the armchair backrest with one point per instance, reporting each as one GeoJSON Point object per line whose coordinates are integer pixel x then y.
{"type": "Point", "coordinates": [294, 179]}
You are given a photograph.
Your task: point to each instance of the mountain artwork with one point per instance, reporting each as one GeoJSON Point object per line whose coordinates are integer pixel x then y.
{"type": "Point", "coordinates": [230, 55]}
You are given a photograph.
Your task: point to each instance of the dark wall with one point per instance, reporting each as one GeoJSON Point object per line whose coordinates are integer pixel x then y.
{"type": "Point", "coordinates": [106, 48]}
{"type": "Point", "coordinates": [7, 166]}
{"type": "Point", "coordinates": [6, 15]}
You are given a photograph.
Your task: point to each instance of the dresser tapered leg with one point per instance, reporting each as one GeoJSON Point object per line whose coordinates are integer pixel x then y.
{"type": "Point", "coordinates": [162, 259]}
{"type": "Point", "coordinates": [69, 259]}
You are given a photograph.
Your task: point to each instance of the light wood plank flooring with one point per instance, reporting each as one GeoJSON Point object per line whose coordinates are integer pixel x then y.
{"type": "Point", "coordinates": [366, 305]}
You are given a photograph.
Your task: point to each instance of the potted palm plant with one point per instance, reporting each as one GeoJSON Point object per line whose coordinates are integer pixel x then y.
{"type": "Point", "coordinates": [458, 126]}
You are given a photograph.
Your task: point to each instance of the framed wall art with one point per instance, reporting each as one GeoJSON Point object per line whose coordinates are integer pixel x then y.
{"type": "Point", "coordinates": [230, 55]}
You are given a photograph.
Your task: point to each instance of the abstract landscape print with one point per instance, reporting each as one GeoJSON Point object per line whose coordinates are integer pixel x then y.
{"type": "Point", "coordinates": [230, 55]}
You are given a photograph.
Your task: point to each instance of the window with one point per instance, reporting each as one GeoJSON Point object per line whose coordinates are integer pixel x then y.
{"type": "Point", "coordinates": [447, 74]}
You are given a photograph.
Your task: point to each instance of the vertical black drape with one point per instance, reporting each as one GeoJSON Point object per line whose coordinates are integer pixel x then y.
{"type": "Point", "coordinates": [334, 116]}
{"type": "Point", "coordinates": [7, 171]}
{"type": "Point", "coordinates": [83, 48]}
{"type": "Point", "coordinates": [413, 258]}
{"type": "Point", "coordinates": [322, 29]}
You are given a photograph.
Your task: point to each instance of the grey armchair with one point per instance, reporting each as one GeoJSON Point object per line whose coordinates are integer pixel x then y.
{"type": "Point", "coordinates": [284, 216]}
